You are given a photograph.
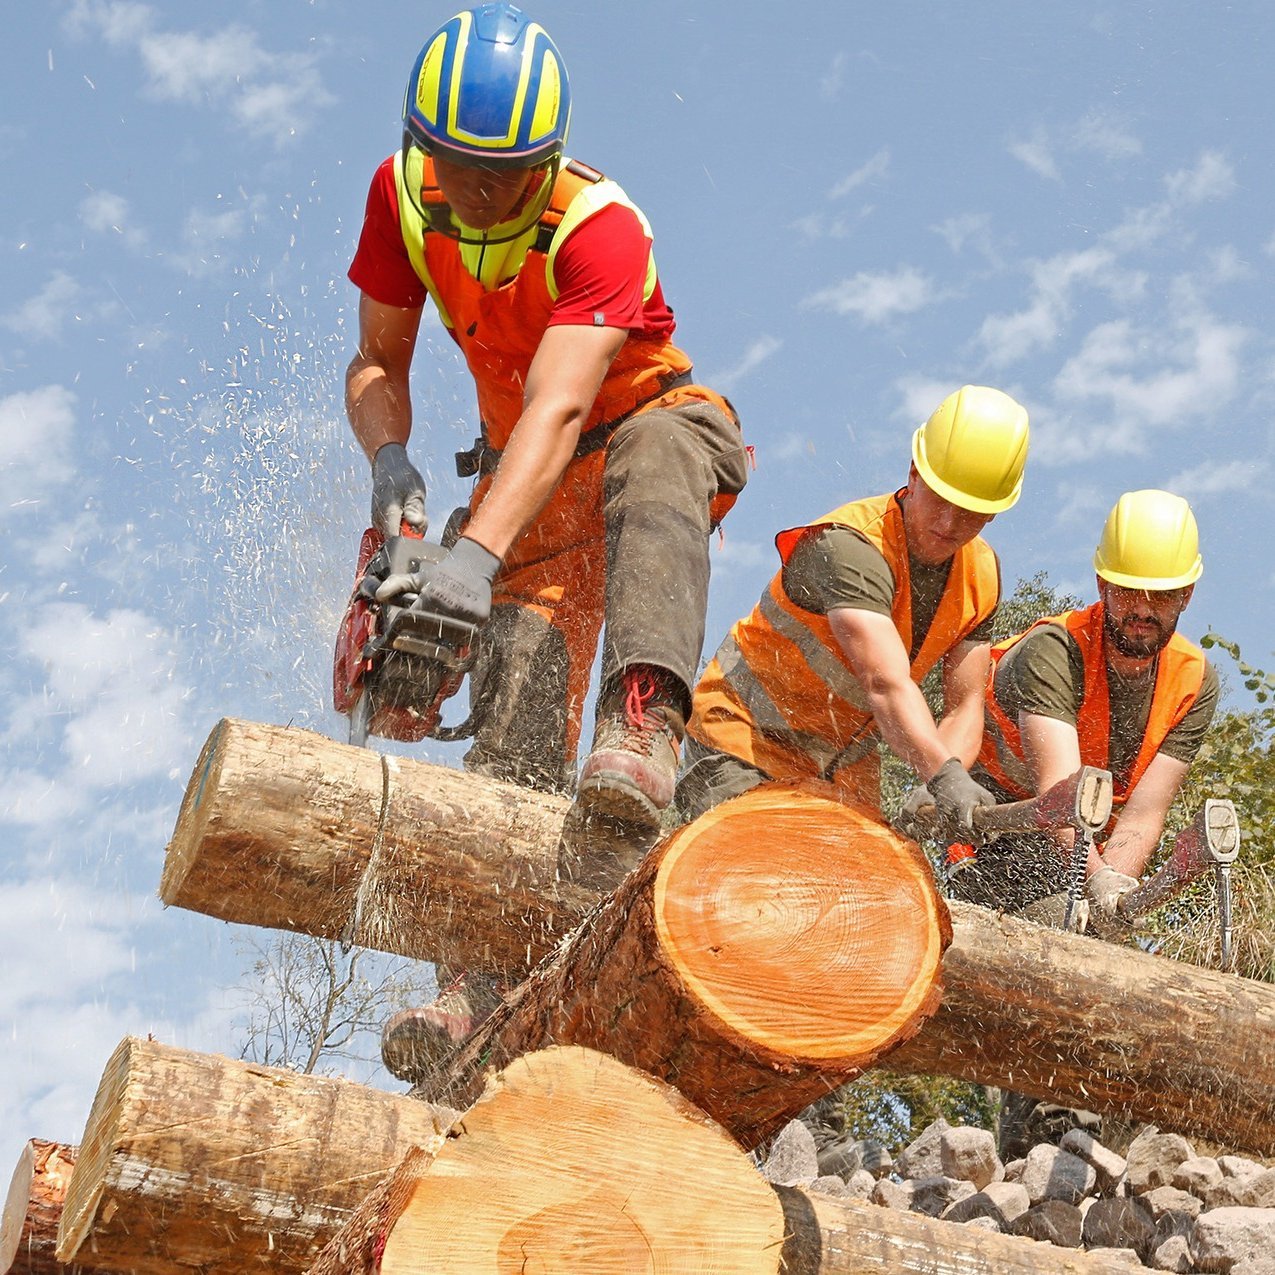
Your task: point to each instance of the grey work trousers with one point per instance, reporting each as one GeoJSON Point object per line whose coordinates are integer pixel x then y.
{"type": "Point", "coordinates": [625, 541]}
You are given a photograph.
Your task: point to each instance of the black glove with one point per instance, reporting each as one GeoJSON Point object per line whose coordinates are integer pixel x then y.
{"type": "Point", "coordinates": [459, 586]}
{"type": "Point", "coordinates": [956, 796]}
{"type": "Point", "coordinates": [398, 492]}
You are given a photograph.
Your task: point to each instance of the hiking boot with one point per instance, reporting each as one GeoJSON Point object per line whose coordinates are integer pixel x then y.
{"type": "Point", "coordinates": [632, 771]}
{"type": "Point", "coordinates": [417, 1043]}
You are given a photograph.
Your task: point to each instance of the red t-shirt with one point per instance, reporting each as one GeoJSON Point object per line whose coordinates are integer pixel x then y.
{"type": "Point", "coordinates": [600, 267]}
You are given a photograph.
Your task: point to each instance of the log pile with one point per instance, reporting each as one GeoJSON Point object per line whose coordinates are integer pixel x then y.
{"type": "Point", "coordinates": [33, 1208]}
{"type": "Point", "coordinates": [192, 1160]}
{"type": "Point", "coordinates": [1186, 1048]}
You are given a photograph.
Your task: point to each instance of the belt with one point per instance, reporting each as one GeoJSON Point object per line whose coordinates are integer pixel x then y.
{"type": "Point", "coordinates": [481, 459]}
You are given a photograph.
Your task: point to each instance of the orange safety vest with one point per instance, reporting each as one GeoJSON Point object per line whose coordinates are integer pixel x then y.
{"type": "Point", "coordinates": [1179, 676]}
{"type": "Point", "coordinates": [780, 693]}
{"type": "Point", "coordinates": [498, 321]}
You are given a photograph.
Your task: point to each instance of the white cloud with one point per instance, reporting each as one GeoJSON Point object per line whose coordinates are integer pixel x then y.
{"type": "Point", "coordinates": [873, 170]}
{"type": "Point", "coordinates": [753, 357]}
{"type": "Point", "coordinates": [1218, 478]}
{"type": "Point", "coordinates": [1036, 154]}
{"type": "Point", "coordinates": [106, 213]}
{"type": "Point", "coordinates": [44, 315]}
{"type": "Point", "coordinates": [1105, 136]}
{"type": "Point", "coordinates": [831, 82]}
{"type": "Point", "coordinates": [112, 699]}
{"type": "Point", "coordinates": [1007, 338]}
{"type": "Point", "coordinates": [205, 238]}
{"type": "Point", "coordinates": [971, 229]}
{"type": "Point", "coordinates": [876, 298]}
{"type": "Point", "coordinates": [37, 429]}
{"type": "Point", "coordinates": [1211, 178]}
{"type": "Point", "coordinates": [271, 94]}
{"type": "Point", "coordinates": [1140, 379]}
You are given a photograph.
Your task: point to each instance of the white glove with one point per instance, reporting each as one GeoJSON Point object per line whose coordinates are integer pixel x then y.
{"type": "Point", "coordinates": [1104, 890]}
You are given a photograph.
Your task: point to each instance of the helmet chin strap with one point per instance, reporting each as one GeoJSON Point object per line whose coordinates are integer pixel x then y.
{"type": "Point", "coordinates": [440, 218]}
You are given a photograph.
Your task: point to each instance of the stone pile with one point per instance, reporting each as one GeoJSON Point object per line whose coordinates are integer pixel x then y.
{"type": "Point", "coordinates": [1159, 1207]}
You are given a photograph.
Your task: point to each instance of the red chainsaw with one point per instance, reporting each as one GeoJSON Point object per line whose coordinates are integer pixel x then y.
{"type": "Point", "coordinates": [395, 665]}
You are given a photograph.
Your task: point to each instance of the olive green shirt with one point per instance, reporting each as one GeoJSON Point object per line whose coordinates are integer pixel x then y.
{"type": "Point", "coordinates": [1044, 673]}
{"type": "Point", "coordinates": [834, 566]}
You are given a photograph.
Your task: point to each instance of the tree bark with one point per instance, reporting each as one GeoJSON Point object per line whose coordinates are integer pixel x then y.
{"type": "Point", "coordinates": [541, 1176]}
{"type": "Point", "coordinates": [1061, 1017]}
{"type": "Point", "coordinates": [1103, 1027]}
{"type": "Point", "coordinates": [32, 1210]}
{"type": "Point", "coordinates": [197, 1161]}
{"type": "Point", "coordinates": [756, 959]}
{"type": "Point", "coordinates": [391, 854]}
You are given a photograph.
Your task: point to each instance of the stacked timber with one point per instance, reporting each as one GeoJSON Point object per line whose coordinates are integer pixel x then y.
{"type": "Point", "coordinates": [1189, 1049]}
{"type": "Point", "coordinates": [197, 1161]}
{"type": "Point", "coordinates": [32, 1210]}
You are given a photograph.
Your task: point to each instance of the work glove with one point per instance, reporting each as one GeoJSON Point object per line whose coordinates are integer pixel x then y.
{"type": "Point", "coordinates": [459, 586]}
{"type": "Point", "coordinates": [956, 796]}
{"type": "Point", "coordinates": [1104, 890]}
{"type": "Point", "coordinates": [1051, 912]}
{"type": "Point", "coordinates": [907, 822]}
{"type": "Point", "coordinates": [398, 492]}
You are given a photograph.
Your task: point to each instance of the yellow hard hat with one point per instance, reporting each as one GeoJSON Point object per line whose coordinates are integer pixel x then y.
{"type": "Point", "coordinates": [973, 450]}
{"type": "Point", "coordinates": [1150, 541]}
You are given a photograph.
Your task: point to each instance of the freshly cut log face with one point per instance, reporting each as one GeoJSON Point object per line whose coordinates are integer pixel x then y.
{"type": "Point", "coordinates": [571, 1161]}
{"type": "Point", "coordinates": [193, 1161]}
{"type": "Point", "coordinates": [758, 958]}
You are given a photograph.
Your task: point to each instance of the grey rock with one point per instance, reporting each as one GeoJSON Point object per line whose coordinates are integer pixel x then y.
{"type": "Point", "coordinates": [792, 1157]}
{"type": "Point", "coordinates": [1169, 1199]}
{"type": "Point", "coordinates": [1173, 1255]}
{"type": "Point", "coordinates": [1119, 1224]}
{"type": "Point", "coordinates": [1000, 1201]}
{"type": "Point", "coordinates": [859, 1184]}
{"type": "Point", "coordinates": [1014, 1171]}
{"type": "Point", "coordinates": [983, 1224]}
{"type": "Point", "coordinates": [970, 1154]}
{"type": "Point", "coordinates": [1107, 1164]}
{"type": "Point", "coordinates": [1153, 1160]}
{"type": "Point", "coordinates": [1052, 1221]}
{"type": "Point", "coordinates": [830, 1184]}
{"type": "Point", "coordinates": [933, 1195]}
{"type": "Point", "coordinates": [842, 1156]}
{"type": "Point", "coordinates": [1197, 1175]}
{"type": "Point", "coordinates": [1254, 1191]}
{"type": "Point", "coordinates": [1238, 1166]}
{"type": "Point", "coordinates": [876, 1158]}
{"type": "Point", "coordinates": [923, 1158]}
{"type": "Point", "coordinates": [1236, 1240]}
{"type": "Point", "coordinates": [890, 1194]}
{"type": "Point", "coordinates": [1054, 1174]}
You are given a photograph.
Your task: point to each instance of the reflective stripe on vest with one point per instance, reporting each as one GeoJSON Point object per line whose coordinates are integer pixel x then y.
{"type": "Point", "coordinates": [1179, 676]}
{"type": "Point", "coordinates": [498, 313]}
{"type": "Point", "coordinates": [792, 682]}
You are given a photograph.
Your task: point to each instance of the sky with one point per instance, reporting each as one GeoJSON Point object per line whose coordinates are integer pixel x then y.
{"type": "Point", "coordinates": [857, 208]}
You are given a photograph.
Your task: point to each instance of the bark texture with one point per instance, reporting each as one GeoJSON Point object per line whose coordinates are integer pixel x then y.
{"type": "Point", "coordinates": [1061, 1017]}
{"type": "Point", "coordinates": [193, 1161]}
{"type": "Point", "coordinates": [33, 1208]}
{"type": "Point", "coordinates": [758, 958]}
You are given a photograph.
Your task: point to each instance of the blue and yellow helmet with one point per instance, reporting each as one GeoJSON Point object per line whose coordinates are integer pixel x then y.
{"type": "Point", "coordinates": [489, 87]}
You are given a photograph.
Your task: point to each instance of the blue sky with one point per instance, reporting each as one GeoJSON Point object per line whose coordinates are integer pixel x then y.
{"type": "Point", "coordinates": [857, 208]}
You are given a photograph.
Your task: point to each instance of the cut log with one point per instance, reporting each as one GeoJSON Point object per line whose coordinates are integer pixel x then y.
{"type": "Point", "coordinates": [1065, 1018]}
{"type": "Point", "coordinates": [392, 854]}
{"type": "Point", "coordinates": [1103, 1027]}
{"type": "Point", "coordinates": [571, 1161]}
{"type": "Point", "coordinates": [32, 1210]}
{"type": "Point", "coordinates": [197, 1161]}
{"type": "Point", "coordinates": [758, 958]}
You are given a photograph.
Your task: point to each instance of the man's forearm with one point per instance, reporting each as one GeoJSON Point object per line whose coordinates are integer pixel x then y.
{"type": "Point", "coordinates": [379, 409]}
{"type": "Point", "coordinates": [904, 720]}
{"type": "Point", "coordinates": [531, 467]}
